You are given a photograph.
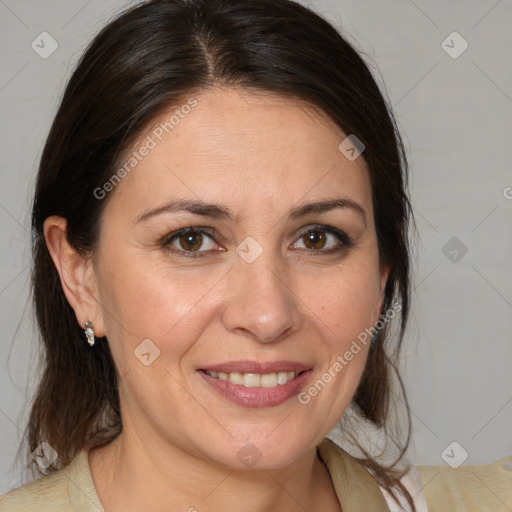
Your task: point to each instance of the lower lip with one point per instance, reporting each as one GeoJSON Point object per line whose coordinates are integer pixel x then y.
{"type": "Point", "coordinates": [257, 397]}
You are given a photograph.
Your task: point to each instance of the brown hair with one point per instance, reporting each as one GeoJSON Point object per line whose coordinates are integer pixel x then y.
{"type": "Point", "coordinates": [141, 63]}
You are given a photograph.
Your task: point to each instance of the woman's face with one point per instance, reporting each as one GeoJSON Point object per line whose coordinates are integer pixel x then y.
{"type": "Point", "coordinates": [262, 286]}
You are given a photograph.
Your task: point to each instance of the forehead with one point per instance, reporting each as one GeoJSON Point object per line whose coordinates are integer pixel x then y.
{"type": "Point", "coordinates": [243, 147]}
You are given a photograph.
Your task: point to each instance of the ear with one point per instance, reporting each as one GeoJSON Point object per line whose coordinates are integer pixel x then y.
{"type": "Point", "coordinates": [77, 275]}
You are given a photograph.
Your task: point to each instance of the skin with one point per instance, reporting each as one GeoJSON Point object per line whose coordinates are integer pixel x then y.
{"type": "Point", "coordinates": [259, 155]}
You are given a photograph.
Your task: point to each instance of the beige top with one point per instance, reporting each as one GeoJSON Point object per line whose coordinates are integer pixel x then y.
{"type": "Point", "coordinates": [468, 488]}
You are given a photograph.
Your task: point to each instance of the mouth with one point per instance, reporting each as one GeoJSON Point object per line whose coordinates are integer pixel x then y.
{"type": "Point", "coordinates": [256, 385]}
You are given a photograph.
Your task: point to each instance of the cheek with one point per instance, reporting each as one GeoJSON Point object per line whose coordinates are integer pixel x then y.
{"type": "Point", "coordinates": [344, 316]}
{"type": "Point", "coordinates": [153, 301]}
{"type": "Point", "coordinates": [343, 306]}
{"type": "Point", "coordinates": [345, 302]}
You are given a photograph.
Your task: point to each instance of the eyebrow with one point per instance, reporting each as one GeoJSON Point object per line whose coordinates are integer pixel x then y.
{"type": "Point", "coordinates": [216, 211]}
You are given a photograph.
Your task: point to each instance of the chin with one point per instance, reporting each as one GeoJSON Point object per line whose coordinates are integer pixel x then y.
{"type": "Point", "coordinates": [262, 452]}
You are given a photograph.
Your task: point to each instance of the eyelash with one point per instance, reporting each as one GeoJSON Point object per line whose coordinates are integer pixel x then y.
{"type": "Point", "coordinates": [345, 241]}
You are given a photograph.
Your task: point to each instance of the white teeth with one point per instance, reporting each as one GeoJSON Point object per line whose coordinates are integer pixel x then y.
{"type": "Point", "coordinates": [252, 380]}
{"type": "Point", "coordinates": [255, 380]}
{"type": "Point", "coordinates": [236, 378]}
{"type": "Point", "coordinates": [282, 378]}
{"type": "Point", "coordinates": [269, 380]}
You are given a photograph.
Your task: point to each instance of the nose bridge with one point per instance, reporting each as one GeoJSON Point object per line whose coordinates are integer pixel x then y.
{"type": "Point", "coordinates": [261, 305]}
{"type": "Point", "coordinates": [265, 276]}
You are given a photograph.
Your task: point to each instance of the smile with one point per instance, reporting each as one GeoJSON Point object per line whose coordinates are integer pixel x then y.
{"type": "Point", "coordinates": [255, 380]}
{"type": "Point", "coordinates": [256, 385]}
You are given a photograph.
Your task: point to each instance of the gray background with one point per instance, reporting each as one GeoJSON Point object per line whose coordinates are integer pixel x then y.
{"type": "Point", "coordinates": [456, 117]}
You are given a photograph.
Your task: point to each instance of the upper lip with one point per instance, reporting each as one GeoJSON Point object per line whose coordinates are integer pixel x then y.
{"type": "Point", "coordinates": [257, 367]}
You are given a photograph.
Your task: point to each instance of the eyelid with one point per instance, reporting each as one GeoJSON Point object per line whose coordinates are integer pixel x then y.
{"type": "Point", "coordinates": [181, 231]}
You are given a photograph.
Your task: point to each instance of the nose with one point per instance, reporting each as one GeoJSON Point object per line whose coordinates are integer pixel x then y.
{"type": "Point", "coordinates": [261, 303]}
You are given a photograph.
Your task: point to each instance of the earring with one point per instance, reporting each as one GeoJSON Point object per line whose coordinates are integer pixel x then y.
{"type": "Point", "coordinates": [89, 333]}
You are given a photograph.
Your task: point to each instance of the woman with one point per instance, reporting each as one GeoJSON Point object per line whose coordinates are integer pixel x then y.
{"type": "Point", "coordinates": [220, 244]}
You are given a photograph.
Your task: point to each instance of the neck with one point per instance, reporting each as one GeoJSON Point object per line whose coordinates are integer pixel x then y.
{"type": "Point", "coordinates": [133, 474]}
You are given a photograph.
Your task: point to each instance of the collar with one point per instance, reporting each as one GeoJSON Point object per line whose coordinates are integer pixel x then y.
{"type": "Point", "coordinates": [355, 487]}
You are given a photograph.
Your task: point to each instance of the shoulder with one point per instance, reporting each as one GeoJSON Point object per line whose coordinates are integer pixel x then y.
{"type": "Point", "coordinates": [46, 493]}
{"type": "Point", "coordinates": [486, 487]}
{"type": "Point", "coordinates": [70, 488]}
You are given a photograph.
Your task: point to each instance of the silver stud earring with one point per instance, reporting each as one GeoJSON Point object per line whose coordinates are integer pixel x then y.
{"type": "Point", "coordinates": [89, 333]}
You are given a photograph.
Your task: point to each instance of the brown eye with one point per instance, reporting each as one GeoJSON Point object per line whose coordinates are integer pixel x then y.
{"type": "Point", "coordinates": [314, 239]}
{"type": "Point", "coordinates": [190, 241]}
{"type": "Point", "coordinates": [323, 240]}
